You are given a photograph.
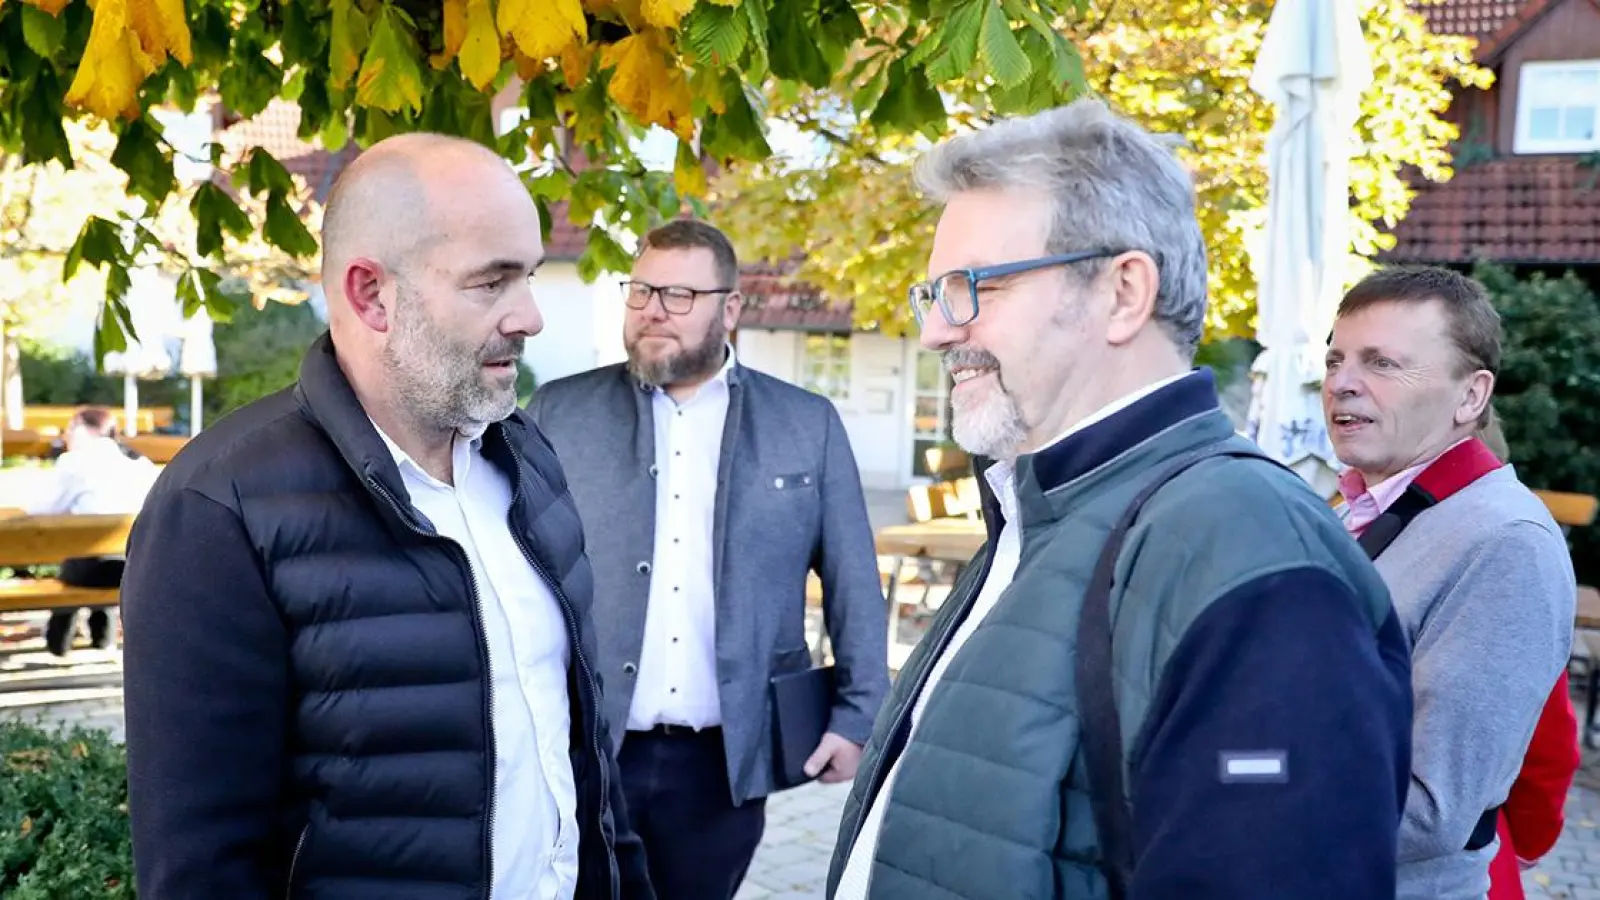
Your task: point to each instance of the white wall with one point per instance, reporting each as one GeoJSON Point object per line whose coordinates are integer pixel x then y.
{"type": "Point", "coordinates": [875, 414]}
{"type": "Point", "coordinates": [582, 323]}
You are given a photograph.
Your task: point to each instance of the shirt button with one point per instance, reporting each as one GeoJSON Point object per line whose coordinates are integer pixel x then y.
{"type": "Point", "coordinates": [777, 482]}
{"type": "Point", "coordinates": [643, 568]}
{"type": "Point", "coordinates": [654, 470]}
{"type": "Point", "coordinates": [629, 668]}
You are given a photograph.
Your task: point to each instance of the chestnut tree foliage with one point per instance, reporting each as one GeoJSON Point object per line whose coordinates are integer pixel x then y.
{"type": "Point", "coordinates": [592, 74]}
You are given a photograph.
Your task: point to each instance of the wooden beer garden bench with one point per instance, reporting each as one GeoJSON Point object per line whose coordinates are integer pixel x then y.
{"type": "Point", "coordinates": [48, 541]}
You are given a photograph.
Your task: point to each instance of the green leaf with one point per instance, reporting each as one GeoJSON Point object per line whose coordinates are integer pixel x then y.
{"type": "Point", "coordinates": [99, 244]}
{"type": "Point", "coordinates": [316, 109]}
{"type": "Point", "coordinates": [391, 75]}
{"type": "Point", "coordinates": [755, 14]}
{"type": "Point", "coordinates": [795, 53]}
{"type": "Point", "coordinates": [840, 27]}
{"type": "Point", "coordinates": [115, 324]}
{"type": "Point", "coordinates": [215, 212]}
{"type": "Point", "coordinates": [251, 82]}
{"type": "Point", "coordinates": [302, 42]}
{"type": "Point", "coordinates": [262, 174]}
{"type": "Point", "coordinates": [346, 42]}
{"type": "Point", "coordinates": [1007, 63]}
{"type": "Point", "coordinates": [737, 133]}
{"type": "Point", "coordinates": [200, 288]}
{"type": "Point", "coordinates": [871, 92]}
{"type": "Point", "coordinates": [285, 230]}
{"type": "Point", "coordinates": [39, 112]}
{"type": "Point", "coordinates": [601, 255]}
{"type": "Point", "coordinates": [42, 32]}
{"type": "Point", "coordinates": [212, 38]}
{"type": "Point", "coordinates": [910, 103]}
{"type": "Point", "coordinates": [960, 42]}
{"type": "Point", "coordinates": [149, 166]}
{"type": "Point", "coordinates": [1067, 66]}
{"type": "Point", "coordinates": [717, 34]}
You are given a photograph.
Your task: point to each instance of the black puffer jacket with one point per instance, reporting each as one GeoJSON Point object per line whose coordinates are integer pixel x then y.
{"type": "Point", "coordinates": [307, 710]}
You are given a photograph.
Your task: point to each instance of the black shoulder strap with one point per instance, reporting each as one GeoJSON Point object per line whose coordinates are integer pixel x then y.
{"type": "Point", "coordinates": [1097, 705]}
{"type": "Point", "coordinates": [1386, 527]}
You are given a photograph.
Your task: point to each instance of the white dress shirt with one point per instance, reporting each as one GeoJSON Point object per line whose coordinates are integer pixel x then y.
{"type": "Point", "coordinates": [678, 666]}
{"type": "Point", "coordinates": [1007, 554]}
{"type": "Point", "coordinates": [534, 829]}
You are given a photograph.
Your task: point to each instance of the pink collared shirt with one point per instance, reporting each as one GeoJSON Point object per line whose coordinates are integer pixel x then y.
{"type": "Point", "coordinates": [1362, 504]}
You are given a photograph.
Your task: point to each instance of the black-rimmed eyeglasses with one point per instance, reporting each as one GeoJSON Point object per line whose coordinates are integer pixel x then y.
{"type": "Point", "coordinates": [956, 291]}
{"type": "Point", "coordinates": [675, 300]}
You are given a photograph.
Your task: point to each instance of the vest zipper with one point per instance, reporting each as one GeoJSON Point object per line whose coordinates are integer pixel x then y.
{"type": "Point", "coordinates": [577, 652]}
{"type": "Point", "coordinates": [488, 675]}
{"type": "Point", "coordinates": [941, 643]}
{"type": "Point", "coordinates": [294, 861]}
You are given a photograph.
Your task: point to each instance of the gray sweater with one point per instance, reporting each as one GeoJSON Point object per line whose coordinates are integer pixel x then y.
{"type": "Point", "coordinates": [1484, 586]}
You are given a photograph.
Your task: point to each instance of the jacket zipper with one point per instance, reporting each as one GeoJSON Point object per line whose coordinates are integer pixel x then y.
{"type": "Point", "coordinates": [942, 642]}
{"type": "Point", "coordinates": [577, 651]}
{"type": "Point", "coordinates": [294, 861]}
{"type": "Point", "coordinates": [488, 676]}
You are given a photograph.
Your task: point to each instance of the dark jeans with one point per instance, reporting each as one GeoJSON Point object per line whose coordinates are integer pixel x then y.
{"type": "Point", "coordinates": [697, 843]}
{"type": "Point", "coordinates": [85, 572]}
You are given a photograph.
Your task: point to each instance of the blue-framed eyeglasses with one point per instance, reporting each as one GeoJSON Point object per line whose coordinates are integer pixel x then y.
{"type": "Point", "coordinates": [956, 291]}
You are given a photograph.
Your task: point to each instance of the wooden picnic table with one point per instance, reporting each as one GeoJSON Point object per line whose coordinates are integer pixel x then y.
{"type": "Point", "coordinates": [951, 540]}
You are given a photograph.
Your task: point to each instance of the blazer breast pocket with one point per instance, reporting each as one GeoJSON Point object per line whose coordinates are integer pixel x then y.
{"type": "Point", "coordinates": [793, 483]}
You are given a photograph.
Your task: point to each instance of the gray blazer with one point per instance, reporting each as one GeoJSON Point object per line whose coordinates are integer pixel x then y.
{"type": "Point", "coordinates": [788, 500]}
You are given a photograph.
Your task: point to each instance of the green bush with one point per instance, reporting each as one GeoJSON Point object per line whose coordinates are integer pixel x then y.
{"type": "Point", "coordinates": [1548, 394]}
{"type": "Point", "coordinates": [63, 815]}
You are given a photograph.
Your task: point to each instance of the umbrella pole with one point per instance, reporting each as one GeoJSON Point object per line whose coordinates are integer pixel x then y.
{"type": "Point", "coordinates": [194, 405]}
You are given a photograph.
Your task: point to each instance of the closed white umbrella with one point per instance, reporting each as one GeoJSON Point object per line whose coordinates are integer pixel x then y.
{"type": "Point", "coordinates": [1313, 66]}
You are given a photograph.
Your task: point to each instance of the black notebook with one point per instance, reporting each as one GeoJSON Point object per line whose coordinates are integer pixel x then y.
{"type": "Point", "coordinates": [802, 703]}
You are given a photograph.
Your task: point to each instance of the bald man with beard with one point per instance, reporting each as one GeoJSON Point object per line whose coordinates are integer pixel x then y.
{"type": "Point", "coordinates": [359, 660]}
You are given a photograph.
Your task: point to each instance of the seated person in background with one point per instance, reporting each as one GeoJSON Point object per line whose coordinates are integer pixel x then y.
{"type": "Point", "coordinates": [94, 476]}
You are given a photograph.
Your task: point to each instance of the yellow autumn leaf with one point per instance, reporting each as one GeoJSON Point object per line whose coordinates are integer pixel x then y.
{"type": "Point", "coordinates": [688, 174]}
{"type": "Point", "coordinates": [542, 28]}
{"type": "Point", "coordinates": [480, 52]}
{"type": "Point", "coordinates": [113, 66]}
{"type": "Point", "coordinates": [666, 13]}
{"type": "Point", "coordinates": [575, 63]}
{"type": "Point", "coordinates": [454, 15]}
{"type": "Point", "coordinates": [648, 82]}
{"type": "Point", "coordinates": [161, 28]}
{"type": "Point", "coordinates": [53, 7]}
{"type": "Point", "coordinates": [726, 2]}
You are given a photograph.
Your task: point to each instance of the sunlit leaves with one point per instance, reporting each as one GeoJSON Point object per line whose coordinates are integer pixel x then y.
{"type": "Point", "coordinates": [594, 75]}
{"type": "Point", "coordinates": [647, 83]}
{"type": "Point", "coordinates": [542, 28]}
{"type": "Point", "coordinates": [391, 77]}
{"type": "Point", "coordinates": [114, 65]}
{"type": "Point", "coordinates": [480, 48]}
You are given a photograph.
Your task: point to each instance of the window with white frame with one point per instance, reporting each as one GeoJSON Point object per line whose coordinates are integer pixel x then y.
{"type": "Point", "coordinates": [825, 364]}
{"type": "Point", "coordinates": [1558, 107]}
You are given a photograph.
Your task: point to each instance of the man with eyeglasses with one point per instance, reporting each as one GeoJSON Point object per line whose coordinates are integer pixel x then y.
{"type": "Point", "coordinates": [708, 492]}
{"type": "Point", "coordinates": [1168, 673]}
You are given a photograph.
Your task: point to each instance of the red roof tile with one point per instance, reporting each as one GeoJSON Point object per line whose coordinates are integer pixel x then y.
{"type": "Point", "coordinates": [773, 299]}
{"type": "Point", "coordinates": [1528, 210]}
{"type": "Point", "coordinates": [1469, 18]}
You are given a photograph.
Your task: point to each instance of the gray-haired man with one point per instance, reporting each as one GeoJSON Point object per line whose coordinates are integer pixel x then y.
{"type": "Point", "coordinates": [1237, 661]}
